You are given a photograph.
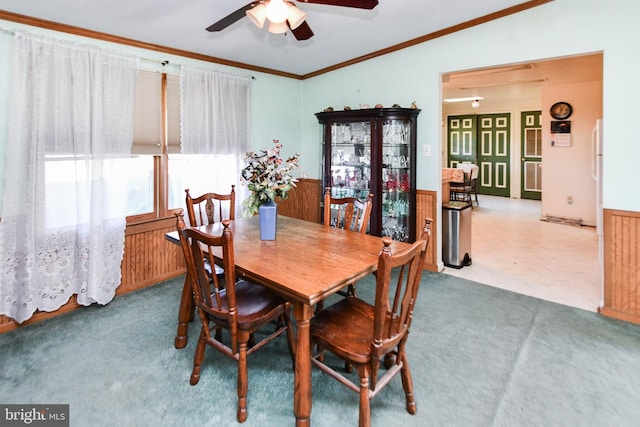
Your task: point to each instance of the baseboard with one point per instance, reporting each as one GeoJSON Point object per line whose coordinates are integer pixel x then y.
{"type": "Point", "coordinates": [615, 314]}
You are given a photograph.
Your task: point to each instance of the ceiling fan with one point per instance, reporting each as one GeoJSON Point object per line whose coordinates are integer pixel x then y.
{"type": "Point", "coordinates": [283, 15]}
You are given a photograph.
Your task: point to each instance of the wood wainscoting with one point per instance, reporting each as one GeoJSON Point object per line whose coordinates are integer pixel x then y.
{"type": "Point", "coordinates": [621, 230]}
{"type": "Point", "coordinates": [150, 259]}
{"type": "Point", "coordinates": [303, 201]}
{"type": "Point", "coordinates": [426, 205]}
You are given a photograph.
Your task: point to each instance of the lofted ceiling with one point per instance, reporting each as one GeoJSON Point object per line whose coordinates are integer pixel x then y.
{"type": "Point", "coordinates": [341, 34]}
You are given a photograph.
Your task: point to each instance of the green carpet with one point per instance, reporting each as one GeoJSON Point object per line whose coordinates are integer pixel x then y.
{"type": "Point", "coordinates": [479, 356]}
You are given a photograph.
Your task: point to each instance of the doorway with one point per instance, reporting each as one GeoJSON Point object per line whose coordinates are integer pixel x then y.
{"type": "Point", "coordinates": [519, 89]}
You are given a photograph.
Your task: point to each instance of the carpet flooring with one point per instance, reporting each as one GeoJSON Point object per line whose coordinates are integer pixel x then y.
{"type": "Point", "coordinates": [480, 356]}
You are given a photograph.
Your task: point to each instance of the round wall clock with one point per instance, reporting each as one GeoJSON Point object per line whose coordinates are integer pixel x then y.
{"type": "Point", "coordinates": [561, 110]}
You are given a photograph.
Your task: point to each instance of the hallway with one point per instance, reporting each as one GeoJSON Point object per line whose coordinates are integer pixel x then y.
{"type": "Point", "coordinates": [513, 250]}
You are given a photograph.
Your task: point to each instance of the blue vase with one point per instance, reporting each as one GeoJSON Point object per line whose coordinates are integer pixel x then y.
{"type": "Point", "coordinates": [268, 212]}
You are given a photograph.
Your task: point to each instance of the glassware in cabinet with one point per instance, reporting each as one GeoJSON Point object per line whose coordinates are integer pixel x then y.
{"type": "Point", "coordinates": [397, 178]}
{"type": "Point", "coordinates": [350, 160]}
{"type": "Point", "coordinates": [373, 151]}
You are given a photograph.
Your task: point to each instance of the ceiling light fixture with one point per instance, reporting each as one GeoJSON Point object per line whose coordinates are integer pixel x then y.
{"type": "Point", "coordinates": [475, 104]}
{"type": "Point", "coordinates": [278, 12]}
{"type": "Point", "coordinates": [468, 98]}
{"type": "Point", "coordinates": [277, 28]}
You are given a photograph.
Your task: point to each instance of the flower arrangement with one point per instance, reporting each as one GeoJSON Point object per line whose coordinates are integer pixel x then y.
{"type": "Point", "coordinates": [268, 177]}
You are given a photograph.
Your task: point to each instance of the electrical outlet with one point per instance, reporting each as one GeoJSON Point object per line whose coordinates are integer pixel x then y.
{"type": "Point", "coordinates": [570, 200]}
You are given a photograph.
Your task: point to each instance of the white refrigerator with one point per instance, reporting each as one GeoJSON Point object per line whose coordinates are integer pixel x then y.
{"type": "Point", "coordinates": [596, 172]}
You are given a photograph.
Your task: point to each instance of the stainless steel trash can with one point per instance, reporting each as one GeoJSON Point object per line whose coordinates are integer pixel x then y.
{"type": "Point", "coordinates": [456, 234]}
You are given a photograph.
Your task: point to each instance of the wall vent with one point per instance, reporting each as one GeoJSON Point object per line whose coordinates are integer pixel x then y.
{"type": "Point", "coordinates": [562, 220]}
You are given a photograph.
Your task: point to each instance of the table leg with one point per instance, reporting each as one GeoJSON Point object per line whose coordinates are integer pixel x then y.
{"type": "Point", "coordinates": [184, 315]}
{"type": "Point", "coordinates": [302, 380]}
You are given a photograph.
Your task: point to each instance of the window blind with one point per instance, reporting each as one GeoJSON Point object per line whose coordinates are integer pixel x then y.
{"type": "Point", "coordinates": [147, 135]}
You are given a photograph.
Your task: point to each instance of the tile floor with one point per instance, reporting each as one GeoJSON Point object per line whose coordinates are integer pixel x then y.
{"type": "Point", "coordinates": [512, 249]}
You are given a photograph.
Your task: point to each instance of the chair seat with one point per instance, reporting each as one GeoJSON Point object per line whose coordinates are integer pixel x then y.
{"type": "Point", "coordinates": [351, 343]}
{"type": "Point", "coordinates": [254, 303]}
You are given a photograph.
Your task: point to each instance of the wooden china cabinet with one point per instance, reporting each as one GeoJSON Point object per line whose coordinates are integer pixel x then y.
{"type": "Point", "coordinates": [374, 151]}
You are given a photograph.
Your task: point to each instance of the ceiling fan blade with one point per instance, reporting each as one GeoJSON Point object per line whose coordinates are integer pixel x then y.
{"type": "Point", "coordinates": [302, 32]}
{"type": "Point", "coordinates": [231, 18]}
{"type": "Point", "coordinates": [360, 4]}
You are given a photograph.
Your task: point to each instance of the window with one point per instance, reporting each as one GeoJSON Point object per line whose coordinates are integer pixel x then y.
{"type": "Point", "coordinates": [186, 171]}
{"type": "Point", "coordinates": [533, 142]}
{"type": "Point", "coordinates": [74, 177]}
{"type": "Point", "coordinates": [147, 142]}
{"type": "Point", "coordinates": [158, 169]}
{"type": "Point", "coordinates": [62, 228]}
{"type": "Point", "coordinates": [156, 133]}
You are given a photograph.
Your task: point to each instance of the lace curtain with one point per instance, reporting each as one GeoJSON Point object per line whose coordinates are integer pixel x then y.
{"type": "Point", "coordinates": [215, 111]}
{"type": "Point", "coordinates": [215, 121]}
{"type": "Point", "coordinates": [63, 222]}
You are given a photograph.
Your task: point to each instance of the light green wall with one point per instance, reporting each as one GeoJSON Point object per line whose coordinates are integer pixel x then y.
{"type": "Point", "coordinates": [557, 29]}
{"type": "Point", "coordinates": [276, 112]}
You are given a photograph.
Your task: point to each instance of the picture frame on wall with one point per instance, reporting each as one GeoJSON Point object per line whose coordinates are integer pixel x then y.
{"type": "Point", "coordinates": [561, 126]}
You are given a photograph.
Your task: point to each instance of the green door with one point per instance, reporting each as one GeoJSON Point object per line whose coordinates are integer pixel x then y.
{"type": "Point", "coordinates": [461, 139]}
{"type": "Point", "coordinates": [531, 168]}
{"type": "Point", "coordinates": [494, 147]}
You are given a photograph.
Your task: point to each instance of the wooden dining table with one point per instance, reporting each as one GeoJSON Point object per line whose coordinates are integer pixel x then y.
{"type": "Point", "coordinates": [305, 264]}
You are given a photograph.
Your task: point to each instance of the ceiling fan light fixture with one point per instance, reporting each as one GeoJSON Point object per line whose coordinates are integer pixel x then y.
{"type": "Point", "coordinates": [257, 15]}
{"type": "Point", "coordinates": [277, 11]}
{"type": "Point", "coordinates": [278, 28]}
{"type": "Point", "coordinates": [295, 16]}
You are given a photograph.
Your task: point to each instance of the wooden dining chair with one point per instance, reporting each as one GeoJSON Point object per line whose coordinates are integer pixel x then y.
{"type": "Point", "coordinates": [468, 187]}
{"type": "Point", "coordinates": [349, 213]}
{"type": "Point", "coordinates": [241, 308]}
{"type": "Point", "coordinates": [378, 332]}
{"type": "Point", "coordinates": [210, 208]}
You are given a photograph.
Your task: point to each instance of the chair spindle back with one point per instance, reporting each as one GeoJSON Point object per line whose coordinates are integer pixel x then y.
{"type": "Point", "coordinates": [210, 208]}
{"type": "Point", "coordinates": [349, 213]}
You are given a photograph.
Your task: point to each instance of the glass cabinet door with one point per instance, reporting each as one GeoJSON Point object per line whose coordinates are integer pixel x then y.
{"type": "Point", "coordinates": [351, 159]}
{"type": "Point", "coordinates": [396, 179]}
{"type": "Point", "coordinates": [372, 151]}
